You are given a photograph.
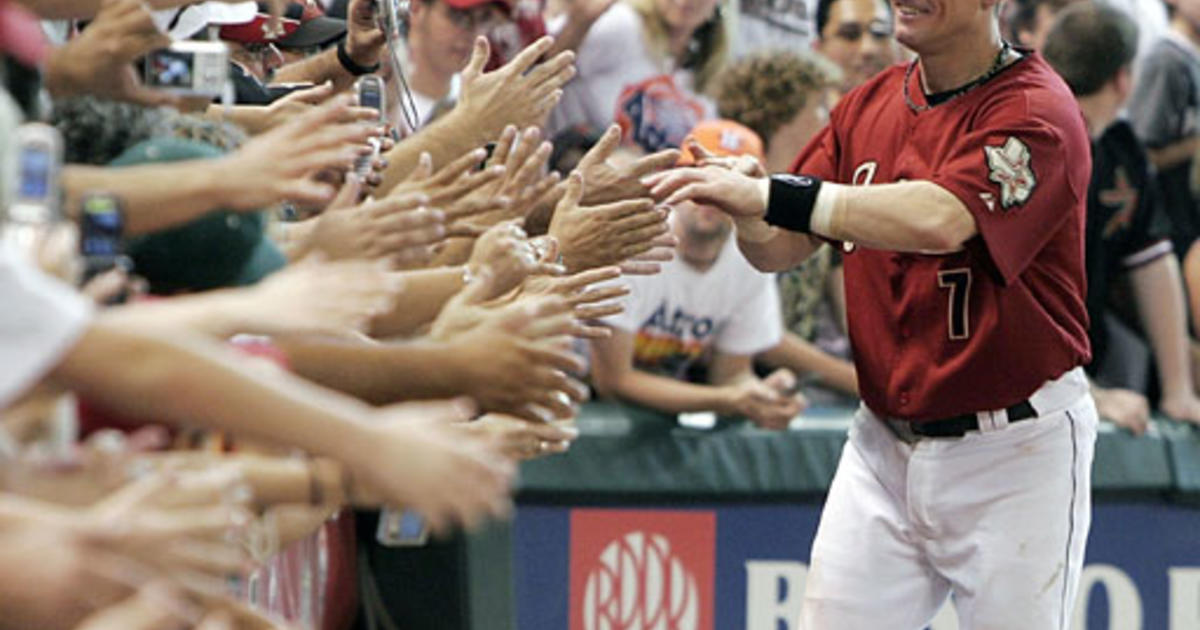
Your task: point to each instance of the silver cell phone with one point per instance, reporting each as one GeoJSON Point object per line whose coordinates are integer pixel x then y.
{"type": "Point", "coordinates": [39, 160]}
{"type": "Point", "coordinates": [370, 91]}
{"type": "Point", "coordinates": [189, 68]}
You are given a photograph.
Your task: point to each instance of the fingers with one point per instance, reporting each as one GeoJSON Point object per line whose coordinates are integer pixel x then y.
{"type": "Point", "coordinates": [573, 193]}
{"type": "Point", "coordinates": [313, 95]}
{"type": "Point", "coordinates": [504, 146]}
{"type": "Point", "coordinates": [454, 170]}
{"type": "Point", "coordinates": [523, 61]}
{"type": "Point", "coordinates": [423, 170]}
{"type": "Point", "coordinates": [639, 268]}
{"type": "Point", "coordinates": [664, 185]}
{"type": "Point", "coordinates": [621, 209]}
{"type": "Point", "coordinates": [347, 195]}
{"type": "Point", "coordinates": [603, 149]}
{"type": "Point", "coordinates": [588, 277]}
{"type": "Point", "coordinates": [479, 58]}
{"type": "Point", "coordinates": [656, 162]}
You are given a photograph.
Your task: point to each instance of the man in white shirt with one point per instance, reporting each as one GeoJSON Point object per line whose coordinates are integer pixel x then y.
{"type": "Point", "coordinates": [441, 35]}
{"type": "Point", "coordinates": [708, 304]}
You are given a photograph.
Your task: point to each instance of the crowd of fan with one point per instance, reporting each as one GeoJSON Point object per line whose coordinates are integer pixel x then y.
{"type": "Point", "coordinates": [297, 326]}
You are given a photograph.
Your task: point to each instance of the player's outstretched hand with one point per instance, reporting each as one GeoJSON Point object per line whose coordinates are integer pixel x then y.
{"type": "Point", "coordinates": [734, 193]}
{"type": "Point", "coordinates": [1123, 407]}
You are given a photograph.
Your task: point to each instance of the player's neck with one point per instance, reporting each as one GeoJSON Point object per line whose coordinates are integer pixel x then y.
{"type": "Point", "coordinates": [958, 65]}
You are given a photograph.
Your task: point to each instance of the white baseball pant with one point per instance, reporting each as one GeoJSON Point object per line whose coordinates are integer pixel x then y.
{"type": "Point", "coordinates": [999, 518]}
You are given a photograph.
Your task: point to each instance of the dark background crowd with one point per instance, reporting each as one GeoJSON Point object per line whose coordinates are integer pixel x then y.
{"type": "Point", "coordinates": [284, 280]}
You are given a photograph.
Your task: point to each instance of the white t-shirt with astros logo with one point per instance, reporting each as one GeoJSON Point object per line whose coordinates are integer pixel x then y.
{"type": "Point", "coordinates": [681, 315]}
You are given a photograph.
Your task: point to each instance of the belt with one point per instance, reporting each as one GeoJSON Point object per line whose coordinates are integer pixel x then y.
{"type": "Point", "coordinates": [957, 426]}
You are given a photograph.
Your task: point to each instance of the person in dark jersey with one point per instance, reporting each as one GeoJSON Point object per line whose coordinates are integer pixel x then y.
{"type": "Point", "coordinates": [1128, 239]}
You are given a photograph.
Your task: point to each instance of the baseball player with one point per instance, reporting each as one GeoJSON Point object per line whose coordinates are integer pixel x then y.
{"type": "Point", "coordinates": [955, 185]}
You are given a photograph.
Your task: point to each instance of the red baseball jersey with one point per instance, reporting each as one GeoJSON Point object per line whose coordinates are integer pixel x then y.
{"type": "Point", "coordinates": [941, 335]}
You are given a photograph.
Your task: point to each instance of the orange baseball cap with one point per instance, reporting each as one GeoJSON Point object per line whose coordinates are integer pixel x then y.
{"type": "Point", "coordinates": [723, 137]}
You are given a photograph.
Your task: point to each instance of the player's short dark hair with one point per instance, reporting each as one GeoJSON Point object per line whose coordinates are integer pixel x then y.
{"type": "Point", "coordinates": [1089, 43]}
{"type": "Point", "coordinates": [823, 7]}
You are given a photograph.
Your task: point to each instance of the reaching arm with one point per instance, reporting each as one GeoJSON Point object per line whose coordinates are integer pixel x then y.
{"type": "Point", "coordinates": [917, 216]}
{"type": "Point", "coordinates": [425, 293]}
{"type": "Point", "coordinates": [1159, 294]}
{"type": "Point", "coordinates": [801, 356]}
{"type": "Point", "coordinates": [176, 379]}
{"type": "Point", "coordinates": [613, 374]}
{"type": "Point", "coordinates": [1174, 154]}
{"type": "Point", "coordinates": [154, 196]}
{"type": "Point", "coordinates": [317, 69]}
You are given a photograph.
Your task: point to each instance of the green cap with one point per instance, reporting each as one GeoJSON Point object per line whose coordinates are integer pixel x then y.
{"type": "Point", "coordinates": [219, 249]}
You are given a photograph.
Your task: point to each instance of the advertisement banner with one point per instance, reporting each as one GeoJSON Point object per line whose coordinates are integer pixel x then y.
{"type": "Point", "coordinates": [743, 566]}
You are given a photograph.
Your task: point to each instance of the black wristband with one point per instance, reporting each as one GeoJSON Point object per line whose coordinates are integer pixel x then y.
{"type": "Point", "coordinates": [348, 63]}
{"type": "Point", "coordinates": [791, 201]}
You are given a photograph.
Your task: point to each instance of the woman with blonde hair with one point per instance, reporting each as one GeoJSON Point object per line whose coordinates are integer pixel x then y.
{"type": "Point", "coordinates": [646, 64]}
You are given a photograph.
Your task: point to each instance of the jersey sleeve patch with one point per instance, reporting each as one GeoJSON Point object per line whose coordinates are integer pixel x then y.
{"type": "Point", "coordinates": [1010, 166]}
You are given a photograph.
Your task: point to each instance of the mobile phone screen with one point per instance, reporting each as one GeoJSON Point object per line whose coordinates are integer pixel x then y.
{"type": "Point", "coordinates": [101, 229]}
{"type": "Point", "coordinates": [35, 172]}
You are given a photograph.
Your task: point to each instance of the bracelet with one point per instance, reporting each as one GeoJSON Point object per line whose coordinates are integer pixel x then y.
{"type": "Point", "coordinates": [349, 64]}
{"type": "Point", "coordinates": [791, 202]}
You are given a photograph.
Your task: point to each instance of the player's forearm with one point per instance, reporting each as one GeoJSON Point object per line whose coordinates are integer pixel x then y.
{"type": "Point", "coordinates": [382, 373]}
{"type": "Point", "coordinates": [182, 380]}
{"type": "Point", "coordinates": [664, 394]}
{"type": "Point", "coordinates": [426, 291]}
{"type": "Point", "coordinates": [919, 217]}
{"type": "Point", "coordinates": [153, 196]}
{"type": "Point", "coordinates": [772, 249]}
{"type": "Point", "coordinates": [800, 356]}
{"type": "Point", "coordinates": [316, 69]}
{"type": "Point", "coordinates": [1174, 154]}
{"type": "Point", "coordinates": [1159, 294]}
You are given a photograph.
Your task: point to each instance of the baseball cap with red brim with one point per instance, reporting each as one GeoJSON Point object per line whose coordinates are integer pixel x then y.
{"type": "Point", "coordinates": [316, 29]}
{"type": "Point", "coordinates": [504, 5]}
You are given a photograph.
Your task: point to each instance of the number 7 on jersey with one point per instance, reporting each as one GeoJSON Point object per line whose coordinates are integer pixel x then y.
{"type": "Point", "coordinates": [958, 283]}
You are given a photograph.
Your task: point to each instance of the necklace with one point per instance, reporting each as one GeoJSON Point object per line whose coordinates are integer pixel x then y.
{"type": "Point", "coordinates": [950, 95]}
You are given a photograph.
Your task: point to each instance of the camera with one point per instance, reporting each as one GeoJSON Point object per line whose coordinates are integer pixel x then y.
{"type": "Point", "coordinates": [189, 68]}
{"type": "Point", "coordinates": [101, 229]}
